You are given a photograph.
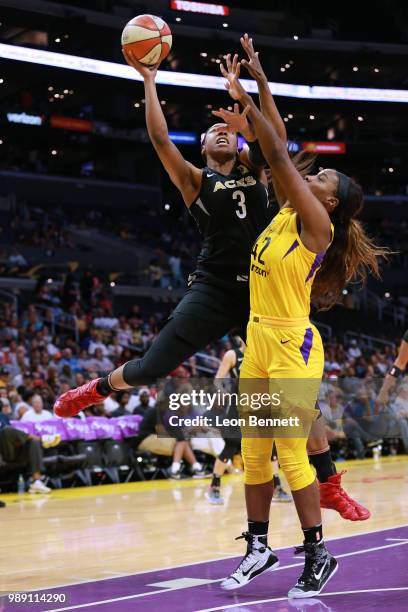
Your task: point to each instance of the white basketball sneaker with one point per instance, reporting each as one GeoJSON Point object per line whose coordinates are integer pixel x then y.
{"type": "Point", "coordinates": [259, 558]}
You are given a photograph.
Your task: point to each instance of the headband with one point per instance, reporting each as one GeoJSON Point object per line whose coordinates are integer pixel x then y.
{"type": "Point", "coordinates": [343, 187]}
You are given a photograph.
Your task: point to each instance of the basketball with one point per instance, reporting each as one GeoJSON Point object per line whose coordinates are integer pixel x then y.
{"type": "Point", "coordinates": [149, 38]}
{"type": "Point", "coordinates": [193, 392]}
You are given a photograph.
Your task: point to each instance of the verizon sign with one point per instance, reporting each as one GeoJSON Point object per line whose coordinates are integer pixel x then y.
{"type": "Point", "coordinates": [199, 7]}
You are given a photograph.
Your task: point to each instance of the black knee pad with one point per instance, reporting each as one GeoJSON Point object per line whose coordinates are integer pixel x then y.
{"type": "Point", "coordinates": [232, 447]}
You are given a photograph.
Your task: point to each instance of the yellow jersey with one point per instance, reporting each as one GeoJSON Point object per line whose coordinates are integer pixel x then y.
{"type": "Point", "coordinates": [282, 269]}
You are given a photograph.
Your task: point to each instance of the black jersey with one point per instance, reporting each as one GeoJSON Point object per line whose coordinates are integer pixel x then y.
{"type": "Point", "coordinates": [238, 363]}
{"type": "Point", "coordinates": [230, 211]}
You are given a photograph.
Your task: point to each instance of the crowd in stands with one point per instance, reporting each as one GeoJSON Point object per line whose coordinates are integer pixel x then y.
{"type": "Point", "coordinates": [32, 234]}
{"type": "Point", "coordinates": [40, 360]}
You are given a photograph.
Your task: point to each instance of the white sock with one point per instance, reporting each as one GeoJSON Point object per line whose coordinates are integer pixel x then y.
{"type": "Point", "coordinates": [197, 467]}
{"type": "Point", "coordinates": [175, 466]}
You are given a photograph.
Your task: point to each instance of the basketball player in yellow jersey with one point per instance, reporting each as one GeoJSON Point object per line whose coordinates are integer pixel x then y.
{"type": "Point", "coordinates": [314, 246]}
{"type": "Point", "coordinates": [332, 494]}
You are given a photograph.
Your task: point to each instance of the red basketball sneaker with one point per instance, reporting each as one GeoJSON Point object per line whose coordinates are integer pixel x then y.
{"type": "Point", "coordinates": [75, 400]}
{"type": "Point", "coordinates": [334, 497]}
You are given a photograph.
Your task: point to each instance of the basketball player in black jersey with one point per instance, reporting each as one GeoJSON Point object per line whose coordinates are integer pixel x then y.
{"type": "Point", "coordinates": [229, 201]}
{"type": "Point", "coordinates": [230, 366]}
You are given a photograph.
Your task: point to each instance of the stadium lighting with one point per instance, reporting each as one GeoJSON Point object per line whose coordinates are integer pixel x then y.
{"type": "Point", "coordinates": [178, 18]}
{"type": "Point", "coordinates": [355, 68]}
{"type": "Point", "coordinates": [200, 81]}
{"type": "Point", "coordinates": [296, 37]}
{"type": "Point", "coordinates": [225, 25]}
{"type": "Point", "coordinates": [1, 81]}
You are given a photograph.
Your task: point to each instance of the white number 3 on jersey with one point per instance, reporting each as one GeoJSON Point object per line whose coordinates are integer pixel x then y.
{"type": "Point", "coordinates": [241, 211]}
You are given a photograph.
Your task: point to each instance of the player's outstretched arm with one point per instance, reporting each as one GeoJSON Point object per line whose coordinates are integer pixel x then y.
{"type": "Point", "coordinates": [396, 371]}
{"type": "Point", "coordinates": [316, 227]}
{"type": "Point", "coordinates": [185, 176]}
{"type": "Point", "coordinates": [266, 101]}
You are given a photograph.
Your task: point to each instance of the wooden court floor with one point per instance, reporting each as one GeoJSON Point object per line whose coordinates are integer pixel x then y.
{"type": "Point", "coordinates": [76, 535]}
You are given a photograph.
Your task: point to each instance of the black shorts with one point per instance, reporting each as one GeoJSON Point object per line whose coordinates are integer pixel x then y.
{"type": "Point", "coordinates": [205, 314]}
{"type": "Point", "coordinates": [208, 312]}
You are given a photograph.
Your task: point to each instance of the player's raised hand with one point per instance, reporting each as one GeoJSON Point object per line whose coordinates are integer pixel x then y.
{"type": "Point", "coordinates": [231, 73]}
{"type": "Point", "coordinates": [236, 120]}
{"type": "Point", "coordinates": [253, 65]}
{"type": "Point", "coordinates": [147, 72]}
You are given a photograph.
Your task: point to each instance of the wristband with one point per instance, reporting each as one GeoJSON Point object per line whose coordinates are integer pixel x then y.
{"type": "Point", "coordinates": [255, 154]}
{"type": "Point", "coordinates": [395, 371]}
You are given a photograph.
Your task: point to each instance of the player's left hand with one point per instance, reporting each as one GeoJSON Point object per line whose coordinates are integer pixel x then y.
{"type": "Point", "coordinates": [147, 72]}
{"type": "Point", "coordinates": [231, 73]}
{"type": "Point", "coordinates": [253, 65]}
{"type": "Point", "coordinates": [236, 120]}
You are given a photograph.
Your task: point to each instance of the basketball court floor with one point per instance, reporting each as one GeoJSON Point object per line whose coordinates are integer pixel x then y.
{"type": "Point", "coordinates": [160, 546]}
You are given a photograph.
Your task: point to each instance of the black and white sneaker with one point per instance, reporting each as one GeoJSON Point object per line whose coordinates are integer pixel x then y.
{"type": "Point", "coordinates": [256, 561]}
{"type": "Point", "coordinates": [320, 566]}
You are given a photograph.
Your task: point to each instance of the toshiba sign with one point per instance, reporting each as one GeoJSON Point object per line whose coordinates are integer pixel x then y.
{"type": "Point", "coordinates": [199, 7]}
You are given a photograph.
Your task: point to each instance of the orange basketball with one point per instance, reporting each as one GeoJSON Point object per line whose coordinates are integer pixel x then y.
{"type": "Point", "coordinates": [149, 38]}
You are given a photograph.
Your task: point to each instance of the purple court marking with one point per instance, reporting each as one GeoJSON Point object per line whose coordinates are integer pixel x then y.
{"type": "Point", "coordinates": [372, 574]}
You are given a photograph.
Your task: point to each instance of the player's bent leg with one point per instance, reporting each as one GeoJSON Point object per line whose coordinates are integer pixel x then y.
{"type": "Point", "coordinates": [168, 350]}
{"type": "Point", "coordinates": [332, 495]}
{"type": "Point", "coordinates": [259, 557]}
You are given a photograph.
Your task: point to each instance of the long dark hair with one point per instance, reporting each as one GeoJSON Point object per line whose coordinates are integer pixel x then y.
{"type": "Point", "coordinates": [352, 255]}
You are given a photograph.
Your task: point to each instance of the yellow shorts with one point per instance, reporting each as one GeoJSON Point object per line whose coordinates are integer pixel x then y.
{"type": "Point", "coordinates": [284, 357]}
{"type": "Point", "coordinates": [282, 348]}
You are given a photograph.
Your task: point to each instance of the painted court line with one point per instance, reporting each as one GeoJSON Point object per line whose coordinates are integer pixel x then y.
{"type": "Point", "coordinates": [284, 567]}
{"type": "Point", "coordinates": [172, 567]}
{"type": "Point", "coordinates": [261, 601]}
